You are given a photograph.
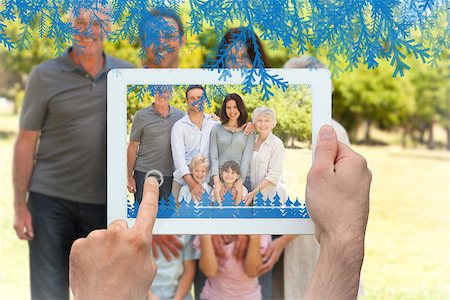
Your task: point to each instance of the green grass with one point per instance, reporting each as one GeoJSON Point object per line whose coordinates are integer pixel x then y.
{"type": "Point", "coordinates": [407, 242]}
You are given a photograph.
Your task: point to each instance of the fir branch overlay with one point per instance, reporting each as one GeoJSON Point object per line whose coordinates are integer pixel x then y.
{"type": "Point", "coordinates": [350, 33]}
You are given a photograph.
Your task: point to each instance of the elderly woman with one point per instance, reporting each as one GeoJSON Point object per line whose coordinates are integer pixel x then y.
{"type": "Point", "coordinates": [229, 142]}
{"type": "Point", "coordinates": [266, 165]}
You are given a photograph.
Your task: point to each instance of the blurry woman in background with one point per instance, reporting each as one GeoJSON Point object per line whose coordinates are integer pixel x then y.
{"type": "Point", "coordinates": [240, 54]}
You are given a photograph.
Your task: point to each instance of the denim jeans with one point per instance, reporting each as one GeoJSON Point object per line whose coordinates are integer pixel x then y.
{"type": "Point", "coordinates": [57, 223]}
{"type": "Point", "coordinates": [164, 190]}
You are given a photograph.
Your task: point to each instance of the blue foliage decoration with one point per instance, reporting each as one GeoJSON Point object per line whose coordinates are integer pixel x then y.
{"type": "Point", "coordinates": [348, 32]}
{"type": "Point", "coordinates": [206, 209]}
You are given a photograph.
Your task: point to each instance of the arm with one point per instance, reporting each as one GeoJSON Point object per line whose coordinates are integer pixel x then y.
{"type": "Point", "coordinates": [247, 156]}
{"type": "Point", "coordinates": [23, 162]}
{"type": "Point", "coordinates": [185, 281]}
{"type": "Point", "coordinates": [131, 161]}
{"type": "Point", "coordinates": [214, 154]}
{"type": "Point", "coordinates": [251, 195]}
{"type": "Point", "coordinates": [208, 260]}
{"type": "Point", "coordinates": [253, 259]}
{"type": "Point", "coordinates": [337, 196]}
{"type": "Point", "coordinates": [180, 163]}
{"type": "Point", "coordinates": [178, 151]}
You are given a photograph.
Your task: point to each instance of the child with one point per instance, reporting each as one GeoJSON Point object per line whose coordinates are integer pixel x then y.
{"type": "Point", "coordinates": [199, 169]}
{"type": "Point", "coordinates": [230, 172]}
{"type": "Point", "coordinates": [228, 277]}
{"type": "Point", "coordinates": [174, 278]}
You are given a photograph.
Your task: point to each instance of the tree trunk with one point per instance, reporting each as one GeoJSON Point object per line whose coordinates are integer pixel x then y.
{"type": "Point", "coordinates": [292, 142]}
{"type": "Point", "coordinates": [405, 135]}
{"type": "Point", "coordinates": [448, 137]}
{"type": "Point", "coordinates": [430, 143]}
{"type": "Point", "coordinates": [422, 134]}
{"type": "Point", "coordinates": [367, 138]}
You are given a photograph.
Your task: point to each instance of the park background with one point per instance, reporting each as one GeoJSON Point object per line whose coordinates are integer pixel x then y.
{"type": "Point", "coordinates": [401, 125]}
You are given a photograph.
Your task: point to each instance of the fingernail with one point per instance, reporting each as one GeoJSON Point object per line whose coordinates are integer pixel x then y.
{"type": "Point", "coordinates": [326, 133]}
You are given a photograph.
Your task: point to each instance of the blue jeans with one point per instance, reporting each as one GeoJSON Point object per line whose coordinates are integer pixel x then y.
{"type": "Point", "coordinates": [57, 223]}
{"type": "Point", "coordinates": [164, 190]}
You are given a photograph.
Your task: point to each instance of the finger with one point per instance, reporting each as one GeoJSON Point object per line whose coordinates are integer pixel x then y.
{"type": "Point", "coordinates": [326, 149]}
{"type": "Point", "coordinates": [176, 242]}
{"type": "Point", "coordinates": [155, 249]}
{"type": "Point", "coordinates": [20, 232]}
{"type": "Point", "coordinates": [173, 249]}
{"type": "Point", "coordinates": [264, 268]}
{"type": "Point", "coordinates": [217, 244]}
{"type": "Point", "coordinates": [148, 208]}
{"type": "Point", "coordinates": [118, 225]}
{"type": "Point", "coordinates": [268, 254]}
{"type": "Point", "coordinates": [166, 253]}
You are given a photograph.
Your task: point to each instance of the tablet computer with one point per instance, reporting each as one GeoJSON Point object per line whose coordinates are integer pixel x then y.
{"type": "Point", "coordinates": [300, 105]}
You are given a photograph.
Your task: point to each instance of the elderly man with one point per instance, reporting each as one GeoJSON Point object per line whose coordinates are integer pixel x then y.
{"type": "Point", "coordinates": [64, 118]}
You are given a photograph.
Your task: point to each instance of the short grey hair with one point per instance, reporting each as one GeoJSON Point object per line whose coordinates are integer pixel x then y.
{"type": "Point", "coordinates": [304, 62]}
{"type": "Point", "coordinates": [264, 111]}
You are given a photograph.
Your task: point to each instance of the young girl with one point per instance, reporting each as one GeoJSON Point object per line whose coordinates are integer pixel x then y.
{"type": "Point", "coordinates": [228, 277]}
{"type": "Point", "coordinates": [230, 172]}
{"type": "Point", "coordinates": [199, 169]}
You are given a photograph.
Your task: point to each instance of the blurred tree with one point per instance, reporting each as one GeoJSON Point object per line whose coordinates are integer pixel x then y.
{"type": "Point", "coordinates": [432, 101]}
{"type": "Point", "coordinates": [372, 97]}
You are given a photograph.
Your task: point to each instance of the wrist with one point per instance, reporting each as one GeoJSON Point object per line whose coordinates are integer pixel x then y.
{"type": "Point", "coordinates": [350, 248]}
{"type": "Point", "coordinates": [20, 204]}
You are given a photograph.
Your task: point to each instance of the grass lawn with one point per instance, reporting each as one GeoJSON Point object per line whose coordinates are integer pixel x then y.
{"type": "Point", "coordinates": [407, 243]}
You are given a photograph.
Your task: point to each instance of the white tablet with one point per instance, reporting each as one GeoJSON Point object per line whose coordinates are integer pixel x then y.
{"type": "Point", "coordinates": [301, 107]}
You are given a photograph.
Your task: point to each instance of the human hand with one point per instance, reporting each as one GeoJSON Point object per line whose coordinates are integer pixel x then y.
{"type": "Point", "coordinates": [215, 117]}
{"type": "Point", "coordinates": [250, 197]}
{"type": "Point", "coordinates": [337, 191]}
{"type": "Point", "coordinates": [196, 190]}
{"type": "Point", "coordinates": [271, 256]}
{"type": "Point", "coordinates": [131, 186]}
{"type": "Point", "coordinates": [218, 191]}
{"type": "Point", "coordinates": [240, 247]}
{"type": "Point", "coordinates": [168, 244]}
{"type": "Point", "coordinates": [249, 128]}
{"type": "Point", "coordinates": [22, 222]}
{"type": "Point", "coordinates": [218, 245]}
{"type": "Point", "coordinates": [117, 263]}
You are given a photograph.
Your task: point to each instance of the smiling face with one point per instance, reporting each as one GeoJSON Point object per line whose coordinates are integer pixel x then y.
{"type": "Point", "coordinates": [193, 97]}
{"type": "Point", "coordinates": [165, 52]}
{"type": "Point", "coordinates": [232, 110]}
{"type": "Point", "coordinates": [264, 124]}
{"type": "Point", "coordinates": [229, 176]}
{"type": "Point", "coordinates": [90, 31]}
{"type": "Point", "coordinates": [199, 173]}
{"type": "Point", "coordinates": [238, 57]}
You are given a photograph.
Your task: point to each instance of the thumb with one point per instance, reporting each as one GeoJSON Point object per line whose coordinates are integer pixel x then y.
{"type": "Point", "coordinates": [326, 149]}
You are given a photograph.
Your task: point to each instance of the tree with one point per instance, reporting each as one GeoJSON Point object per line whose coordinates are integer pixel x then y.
{"type": "Point", "coordinates": [373, 97]}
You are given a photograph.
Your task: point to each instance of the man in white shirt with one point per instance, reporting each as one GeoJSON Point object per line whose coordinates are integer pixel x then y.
{"type": "Point", "coordinates": [190, 137]}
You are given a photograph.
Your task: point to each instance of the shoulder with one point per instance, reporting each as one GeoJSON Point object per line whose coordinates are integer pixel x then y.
{"type": "Point", "coordinates": [114, 62]}
{"type": "Point", "coordinates": [180, 123]}
{"type": "Point", "coordinates": [46, 67]}
{"type": "Point", "coordinates": [277, 142]}
{"type": "Point", "coordinates": [140, 113]}
{"type": "Point", "coordinates": [178, 112]}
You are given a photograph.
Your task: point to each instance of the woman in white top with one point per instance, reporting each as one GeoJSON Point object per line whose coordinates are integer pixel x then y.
{"type": "Point", "coordinates": [266, 165]}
